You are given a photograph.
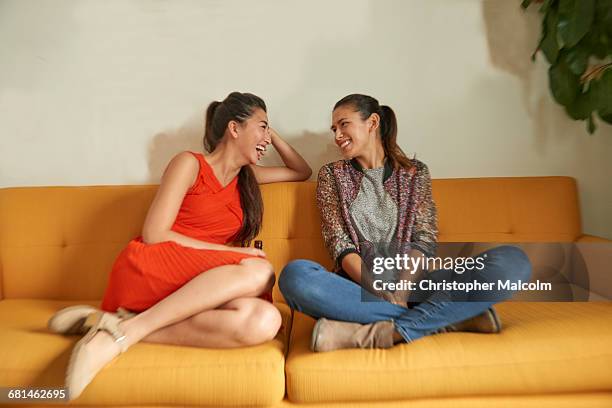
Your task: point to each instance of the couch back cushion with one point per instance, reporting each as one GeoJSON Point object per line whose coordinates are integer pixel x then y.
{"type": "Point", "coordinates": [61, 242]}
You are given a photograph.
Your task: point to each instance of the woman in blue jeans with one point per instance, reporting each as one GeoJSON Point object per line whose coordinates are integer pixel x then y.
{"type": "Point", "coordinates": [377, 195]}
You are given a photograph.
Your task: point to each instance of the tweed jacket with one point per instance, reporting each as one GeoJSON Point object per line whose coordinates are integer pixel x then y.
{"type": "Point", "coordinates": [337, 186]}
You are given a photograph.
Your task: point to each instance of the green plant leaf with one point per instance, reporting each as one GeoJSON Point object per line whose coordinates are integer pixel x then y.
{"type": "Point", "coordinates": [602, 93]}
{"type": "Point", "coordinates": [596, 40]}
{"type": "Point", "coordinates": [575, 19]}
{"type": "Point", "coordinates": [603, 14]}
{"type": "Point", "coordinates": [582, 107]}
{"type": "Point", "coordinates": [577, 59]}
{"type": "Point", "coordinates": [564, 84]}
{"type": "Point", "coordinates": [549, 44]}
{"type": "Point", "coordinates": [602, 87]}
{"type": "Point", "coordinates": [572, 32]}
{"type": "Point", "coordinates": [606, 118]}
{"type": "Point", "coordinates": [546, 4]}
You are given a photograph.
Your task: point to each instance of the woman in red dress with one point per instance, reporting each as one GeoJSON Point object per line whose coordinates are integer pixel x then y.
{"type": "Point", "coordinates": [190, 279]}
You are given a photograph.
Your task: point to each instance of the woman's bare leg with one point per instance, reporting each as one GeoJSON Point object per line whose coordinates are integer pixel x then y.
{"type": "Point", "coordinates": [240, 322]}
{"type": "Point", "coordinates": [206, 291]}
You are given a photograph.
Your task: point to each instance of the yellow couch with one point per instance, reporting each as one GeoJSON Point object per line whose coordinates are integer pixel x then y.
{"type": "Point", "coordinates": [57, 245]}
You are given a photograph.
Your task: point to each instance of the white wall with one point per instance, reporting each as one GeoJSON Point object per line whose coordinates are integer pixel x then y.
{"type": "Point", "coordinates": [105, 92]}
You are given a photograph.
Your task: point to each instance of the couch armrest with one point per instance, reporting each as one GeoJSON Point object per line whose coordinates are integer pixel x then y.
{"type": "Point", "coordinates": [592, 238]}
{"type": "Point", "coordinates": [592, 259]}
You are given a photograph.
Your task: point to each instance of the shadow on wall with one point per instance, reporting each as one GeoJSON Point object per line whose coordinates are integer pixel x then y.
{"type": "Point", "coordinates": [507, 20]}
{"type": "Point", "coordinates": [168, 143]}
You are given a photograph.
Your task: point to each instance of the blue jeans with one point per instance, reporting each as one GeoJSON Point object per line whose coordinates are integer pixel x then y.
{"type": "Point", "coordinates": [309, 288]}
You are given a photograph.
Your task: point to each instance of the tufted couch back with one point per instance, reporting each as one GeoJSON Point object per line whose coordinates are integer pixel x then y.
{"type": "Point", "coordinates": [60, 242]}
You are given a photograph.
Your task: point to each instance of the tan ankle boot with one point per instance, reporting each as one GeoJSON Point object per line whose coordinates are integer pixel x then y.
{"type": "Point", "coordinates": [486, 322]}
{"type": "Point", "coordinates": [329, 335]}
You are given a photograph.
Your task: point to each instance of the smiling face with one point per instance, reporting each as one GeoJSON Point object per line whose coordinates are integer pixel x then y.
{"type": "Point", "coordinates": [252, 136]}
{"type": "Point", "coordinates": [353, 135]}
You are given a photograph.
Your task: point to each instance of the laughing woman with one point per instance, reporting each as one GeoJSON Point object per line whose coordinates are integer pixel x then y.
{"type": "Point", "coordinates": [378, 195]}
{"type": "Point", "coordinates": [190, 279]}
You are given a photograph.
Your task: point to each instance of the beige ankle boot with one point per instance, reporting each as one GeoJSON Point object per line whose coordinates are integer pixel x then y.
{"type": "Point", "coordinates": [486, 322]}
{"type": "Point", "coordinates": [329, 335]}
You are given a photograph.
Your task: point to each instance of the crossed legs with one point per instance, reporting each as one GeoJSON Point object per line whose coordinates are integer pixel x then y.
{"type": "Point", "coordinates": [218, 308]}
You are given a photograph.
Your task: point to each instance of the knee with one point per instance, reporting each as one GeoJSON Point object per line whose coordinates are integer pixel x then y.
{"type": "Point", "coordinates": [295, 275]}
{"type": "Point", "coordinates": [261, 322]}
{"type": "Point", "coordinates": [259, 272]}
{"type": "Point", "coordinates": [518, 265]}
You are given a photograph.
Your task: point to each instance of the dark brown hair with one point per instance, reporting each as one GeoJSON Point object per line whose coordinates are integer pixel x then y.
{"type": "Point", "coordinates": [238, 107]}
{"type": "Point", "coordinates": [366, 106]}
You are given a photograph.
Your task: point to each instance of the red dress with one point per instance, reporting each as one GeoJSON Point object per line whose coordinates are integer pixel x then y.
{"type": "Point", "coordinates": [144, 274]}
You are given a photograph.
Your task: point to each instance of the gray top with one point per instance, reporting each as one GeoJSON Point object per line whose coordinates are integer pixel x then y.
{"type": "Point", "coordinates": [374, 212]}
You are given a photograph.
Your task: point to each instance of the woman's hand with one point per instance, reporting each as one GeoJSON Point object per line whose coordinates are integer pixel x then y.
{"type": "Point", "coordinates": [395, 298]}
{"type": "Point", "coordinates": [255, 252]}
{"type": "Point", "coordinates": [274, 137]}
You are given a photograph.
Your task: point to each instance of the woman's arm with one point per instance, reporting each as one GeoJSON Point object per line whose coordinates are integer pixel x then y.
{"type": "Point", "coordinates": [186, 241]}
{"type": "Point", "coordinates": [178, 177]}
{"type": "Point", "coordinates": [333, 228]}
{"type": "Point", "coordinates": [295, 169]}
{"type": "Point", "coordinates": [425, 235]}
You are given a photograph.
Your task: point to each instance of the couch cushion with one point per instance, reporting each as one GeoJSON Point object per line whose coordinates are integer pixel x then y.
{"type": "Point", "coordinates": [147, 373]}
{"type": "Point", "coordinates": [544, 348]}
{"type": "Point", "coordinates": [74, 236]}
{"type": "Point", "coordinates": [507, 209]}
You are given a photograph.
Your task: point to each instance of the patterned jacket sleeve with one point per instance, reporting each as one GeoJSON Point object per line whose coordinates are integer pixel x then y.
{"type": "Point", "coordinates": [425, 229]}
{"type": "Point", "coordinates": [335, 234]}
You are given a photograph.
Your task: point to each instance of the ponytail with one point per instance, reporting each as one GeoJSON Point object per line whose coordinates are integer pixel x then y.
{"type": "Point", "coordinates": [388, 135]}
{"type": "Point", "coordinates": [210, 142]}
{"type": "Point", "coordinates": [251, 201]}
